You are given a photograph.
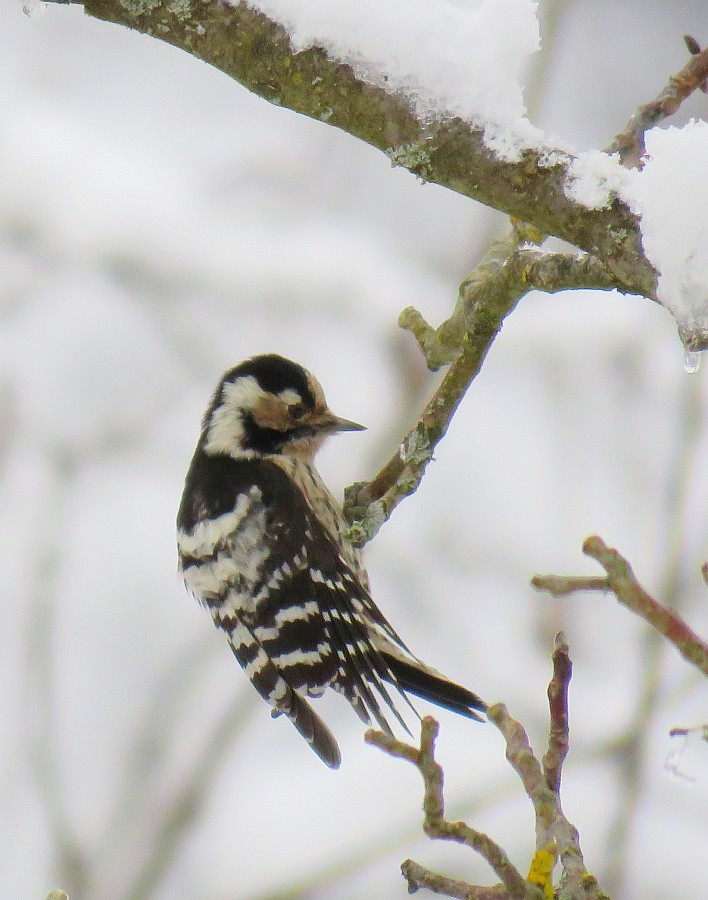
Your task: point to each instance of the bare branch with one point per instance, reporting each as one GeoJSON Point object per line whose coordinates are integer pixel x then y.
{"type": "Point", "coordinates": [629, 143]}
{"type": "Point", "coordinates": [556, 837]}
{"type": "Point", "coordinates": [558, 733]}
{"type": "Point", "coordinates": [434, 824]}
{"type": "Point", "coordinates": [418, 877]}
{"type": "Point", "coordinates": [562, 585]}
{"type": "Point", "coordinates": [554, 833]}
{"type": "Point", "coordinates": [486, 298]}
{"type": "Point", "coordinates": [506, 274]}
{"type": "Point", "coordinates": [624, 585]}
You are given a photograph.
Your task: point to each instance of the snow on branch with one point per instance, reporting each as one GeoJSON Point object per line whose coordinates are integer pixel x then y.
{"type": "Point", "coordinates": [451, 112]}
{"type": "Point", "coordinates": [488, 163]}
{"type": "Point", "coordinates": [331, 64]}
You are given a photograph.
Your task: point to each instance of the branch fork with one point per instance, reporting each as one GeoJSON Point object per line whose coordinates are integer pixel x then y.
{"type": "Point", "coordinates": [556, 838]}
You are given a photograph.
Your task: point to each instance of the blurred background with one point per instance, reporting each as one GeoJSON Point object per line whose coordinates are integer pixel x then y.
{"type": "Point", "coordinates": [159, 224]}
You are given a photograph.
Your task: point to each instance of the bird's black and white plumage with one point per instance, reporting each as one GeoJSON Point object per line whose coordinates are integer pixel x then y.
{"type": "Point", "coordinates": [261, 545]}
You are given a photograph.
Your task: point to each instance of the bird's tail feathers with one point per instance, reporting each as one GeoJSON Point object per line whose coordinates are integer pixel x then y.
{"type": "Point", "coordinates": [418, 679]}
{"type": "Point", "coordinates": [268, 680]}
{"type": "Point", "coordinates": [311, 727]}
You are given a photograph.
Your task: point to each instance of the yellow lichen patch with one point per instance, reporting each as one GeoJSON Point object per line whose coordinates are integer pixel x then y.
{"type": "Point", "coordinates": [541, 871]}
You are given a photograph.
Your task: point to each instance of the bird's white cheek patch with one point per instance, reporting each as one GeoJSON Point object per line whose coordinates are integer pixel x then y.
{"type": "Point", "coordinates": [225, 433]}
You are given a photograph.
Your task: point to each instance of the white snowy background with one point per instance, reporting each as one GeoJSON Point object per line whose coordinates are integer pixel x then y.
{"type": "Point", "coordinates": [159, 224]}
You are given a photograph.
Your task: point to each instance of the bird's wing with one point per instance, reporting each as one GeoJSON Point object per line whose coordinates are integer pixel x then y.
{"type": "Point", "coordinates": [308, 610]}
{"type": "Point", "coordinates": [314, 620]}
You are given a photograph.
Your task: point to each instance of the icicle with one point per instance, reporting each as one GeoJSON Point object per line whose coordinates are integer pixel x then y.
{"type": "Point", "coordinates": [692, 361]}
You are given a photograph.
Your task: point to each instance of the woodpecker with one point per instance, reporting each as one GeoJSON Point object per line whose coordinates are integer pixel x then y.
{"type": "Point", "coordinates": [261, 545]}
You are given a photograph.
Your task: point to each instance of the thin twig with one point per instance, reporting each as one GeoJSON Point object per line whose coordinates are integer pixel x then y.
{"type": "Point", "coordinates": [558, 732]}
{"type": "Point", "coordinates": [486, 298]}
{"type": "Point", "coordinates": [624, 585]}
{"type": "Point", "coordinates": [510, 269]}
{"type": "Point", "coordinates": [629, 143]}
{"type": "Point", "coordinates": [435, 825]}
{"type": "Point", "coordinates": [622, 582]}
{"type": "Point", "coordinates": [369, 505]}
{"type": "Point", "coordinates": [685, 732]}
{"type": "Point", "coordinates": [419, 876]}
{"type": "Point", "coordinates": [545, 803]}
{"type": "Point", "coordinates": [556, 837]}
{"type": "Point", "coordinates": [562, 585]}
{"type": "Point", "coordinates": [631, 594]}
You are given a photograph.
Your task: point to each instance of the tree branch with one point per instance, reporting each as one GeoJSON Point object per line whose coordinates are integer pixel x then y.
{"type": "Point", "coordinates": [629, 143]}
{"type": "Point", "coordinates": [435, 825]}
{"type": "Point", "coordinates": [419, 876]}
{"type": "Point", "coordinates": [255, 51]}
{"type": "Point", "coordinates": [556, 837]}
{"type": "Point", "coordinates": [623, 583]}
{"type": "Point", "coordinates": [558, 732]}
{"type": "Point", "coordinates": [486, 297]}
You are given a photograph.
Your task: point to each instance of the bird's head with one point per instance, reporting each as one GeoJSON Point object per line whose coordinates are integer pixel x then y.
{"type": "Point", "coordinates": [267, 405]}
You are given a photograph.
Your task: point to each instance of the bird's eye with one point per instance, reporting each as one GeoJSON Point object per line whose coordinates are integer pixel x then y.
{"type": "Point", "coordinates": [297, 411]}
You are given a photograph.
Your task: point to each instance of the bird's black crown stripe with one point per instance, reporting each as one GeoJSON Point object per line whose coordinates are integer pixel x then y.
{"type": "Point", "coordinates": [274, 374]}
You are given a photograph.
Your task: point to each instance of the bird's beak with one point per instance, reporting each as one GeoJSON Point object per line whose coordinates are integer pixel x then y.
{"type": "Point", "coordinates": [333, 424]}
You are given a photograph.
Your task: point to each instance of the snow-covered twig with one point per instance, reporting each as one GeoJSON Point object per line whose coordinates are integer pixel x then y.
{"type": "Point", "coordinates": [257, 51]}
